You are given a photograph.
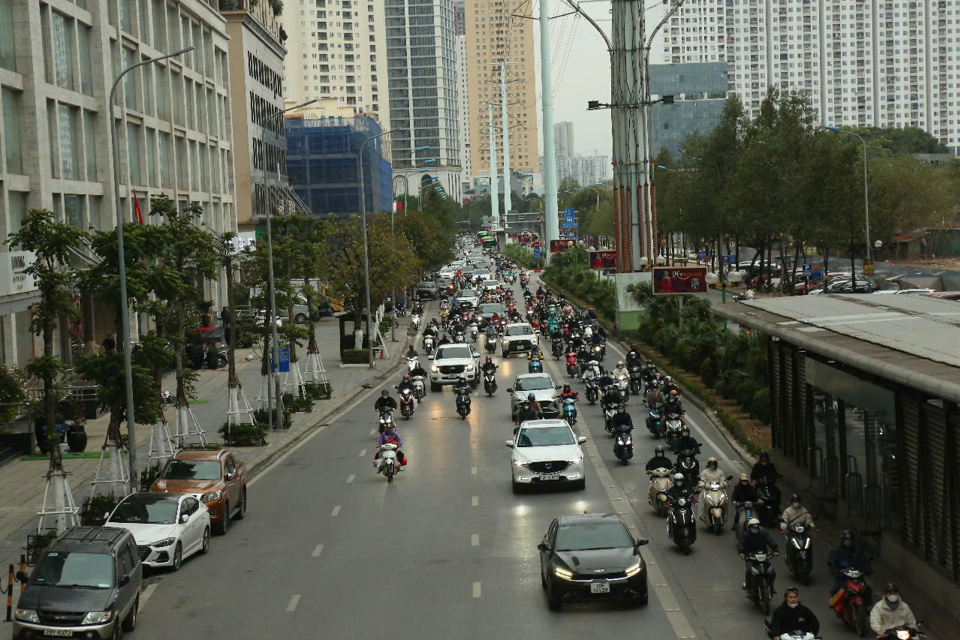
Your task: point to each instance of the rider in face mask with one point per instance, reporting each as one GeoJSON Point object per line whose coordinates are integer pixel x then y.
{"type": "Point", "coordinates": [796, 513]}
{"type": "Point", "coordinates": [792, 616]}
{"type": "Point", "coordinates": [891, 612]}
{"type": "Point", "coordinates": [848, 556]}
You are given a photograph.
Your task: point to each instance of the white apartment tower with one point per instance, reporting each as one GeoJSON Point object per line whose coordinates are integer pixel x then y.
{"type": "Point", "coordinates": [463, 113]}
{"type": "Point", "coordinates": [421, 67]}
{"type": "Point", "coordinates": [337, 49]}
{"type": "Point", "coordinates": [884, 63]}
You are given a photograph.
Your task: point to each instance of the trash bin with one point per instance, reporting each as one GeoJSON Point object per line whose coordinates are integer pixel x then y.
{"type": "Point", "coordinates": [212, 356]}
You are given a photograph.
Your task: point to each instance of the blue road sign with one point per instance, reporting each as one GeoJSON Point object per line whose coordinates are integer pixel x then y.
{"type": "Point", "coordinates": [536, 252]}
{"type": "Point", "coordinates": [569, 225]}
{"type": "Point", "coordinates": [807, 268]}
{"type": "Point", "coordinates": [701, 255]}
{"type": "Point", "coordinates": [284, 360]}
{"type": "Point", "coordinates": [569, 215]}
{"type": "Point", "coordinates": [730, 260]}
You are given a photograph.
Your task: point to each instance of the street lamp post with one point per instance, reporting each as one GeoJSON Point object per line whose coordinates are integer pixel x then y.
{"type": "Point", "coordinates": [393, 325]}
{"type": "Point", "coordinates": [866, 205]}
{"type": "Point", "coordinates": [124, 301]}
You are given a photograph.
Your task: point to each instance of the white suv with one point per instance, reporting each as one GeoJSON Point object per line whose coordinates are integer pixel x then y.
{"type": "Point", "coordinates": [453, 361]}
{"type": "Point", "coordinates": [519, 337]}
{"type": "Point", "coordinates": [546, 452]}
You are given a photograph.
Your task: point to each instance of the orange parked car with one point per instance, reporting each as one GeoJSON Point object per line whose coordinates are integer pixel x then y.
{"type": "Point", "coordinates": [216, 478]}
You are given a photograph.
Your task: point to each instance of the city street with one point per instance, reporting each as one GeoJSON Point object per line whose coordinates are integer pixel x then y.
{"type": "Point", "coordinates": [328, 546]}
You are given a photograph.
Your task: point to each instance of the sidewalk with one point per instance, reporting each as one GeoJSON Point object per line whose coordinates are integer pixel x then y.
{"type": "Point", "coordinates": [22, 482]}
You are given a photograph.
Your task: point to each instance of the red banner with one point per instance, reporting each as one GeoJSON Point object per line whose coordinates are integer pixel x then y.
{"type": "Point", "coordinates": [558, 246]}
{"type": "Point", "coordinates": [680, 280]}
{"type": "Point", "coordinates": [603, 259]}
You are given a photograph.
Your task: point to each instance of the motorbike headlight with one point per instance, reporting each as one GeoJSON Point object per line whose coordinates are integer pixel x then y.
{"type": "Point", "coordinates": [28, 615]}
{"type": "Point", "coordinates": [562, 573]}
{"type": "Point", "coordinates": [634, 570]}
{"type": "Point", "coordinates": [97, 617]}
{"type": "Point", "coordinates": [796, 543]}
{"type": "Point", "coordinates": [166, 542]}
{"type": "Point", "coordinates": [210, 496]}
{"type": "Point", "coordinates": [806, 545]}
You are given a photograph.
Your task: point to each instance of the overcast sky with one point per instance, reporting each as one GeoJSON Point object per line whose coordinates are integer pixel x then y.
{"type": "Point", "coordinates": [581, 69]}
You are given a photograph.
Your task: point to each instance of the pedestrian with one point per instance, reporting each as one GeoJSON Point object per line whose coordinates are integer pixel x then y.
{"type": "Point", "coordinates": [109, 343]}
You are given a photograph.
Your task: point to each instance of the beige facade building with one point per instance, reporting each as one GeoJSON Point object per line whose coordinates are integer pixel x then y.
{"type": "Point", "coordinates": [494, 35]}
{"type": "Point", "coordinates": [256, 55]}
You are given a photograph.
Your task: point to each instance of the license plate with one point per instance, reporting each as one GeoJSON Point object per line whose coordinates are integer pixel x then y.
{"type": "Point", "coordinates": [58, 633]}
{"type": "Point", "coordinates": [600, 587]}
{"type": "Point", "coordinates": [550, 476]}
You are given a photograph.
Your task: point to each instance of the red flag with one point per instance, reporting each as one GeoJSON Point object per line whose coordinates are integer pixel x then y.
{"type": "Point", "coordinates": [136, 208]}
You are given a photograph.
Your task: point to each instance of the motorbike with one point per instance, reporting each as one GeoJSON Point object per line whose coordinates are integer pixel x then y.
{"type": "Point", "coordinates": [681, 524]}
{"type": "Point", "coordinates": [556, 348]}
{"type": "Point", "coordinates": [389, 465]}
{"type": "Point", "coordinates": [760, 582]}
{"type": "Point", "coordinates": [623, 383]}
{"type": "Point", "coordinates": [571, 363]}
{"type": "Point", "coordinates": [407, 403]}
{"type": "Point", "coordinates": [419, 387]}
{"type": "Point", "coordinates": [850, 603]}
{"type": "Point", "coordinates": [689, 466]}
{"type": "Point", "coordinates": [623, 446]}
{"type": "Point", "coordinates": [535, 365]}
{"type": "Point", "coordinates": [599, 352]}
{"type": "Point", "coordinates": [799, 554]}
{"type": "Point", "coordinates": [474, 331]}
{"type": "Point", "coordinates": [415, 321]}
{"type": "Point", "coordinates": [635, 379]}
{"type": "Point", "coordinates": [569, 410]}
{"type": "Point", "coordinates": [608, 414]}
{"type": "Point", "coordinates": [490, 344]}
{"type": "Point", "coordinates": [428, 343]}
{"type": "Point", "coordinates": [412, 363]}
{"type": "Point", "coordinates": [769, 504]}
{"type": "Point", "coordinates": [386, 417]}
{"type": "Point", "coordinates": [655, 423]}
{"type": "Point", "coordinates": [673, 427]}
{"type": "Point", "coordinates": [490, 383]}
{"type": "Point", "coordinates": [714, 512]}
{"type": "Point", "coordinates": [904, 632]}
{"type": "Point", "coordinates": [660, 481]}
{"type": "Point", "coordinates": [463, 405]}
{"type": "Point", "coordinates": [458, 336]}
{"type": "Point", "coordinates": [593, 394]}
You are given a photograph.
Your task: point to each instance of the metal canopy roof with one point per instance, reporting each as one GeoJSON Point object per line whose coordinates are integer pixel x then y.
{"type": "Point", "coordinates": [912, 340]}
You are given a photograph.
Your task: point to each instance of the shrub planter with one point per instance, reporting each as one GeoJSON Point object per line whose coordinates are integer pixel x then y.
{"type": "Point", "coordinates": [94, 511]}
{"type": "Point", "coordinates": [36, 543]}
{"type": "Point", "coordinates": [260, 415]}
{"type": "Point", "coordinates": [243, 435]}
{"type": "Point", "coordinates": [355, 356]}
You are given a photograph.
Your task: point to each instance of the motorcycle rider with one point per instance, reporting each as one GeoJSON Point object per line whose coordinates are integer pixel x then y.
{"type": "Point", "coordinates": [405, 384]}
{"type": "Point", "coordinates": [611, 397]}
{"type": "Point", "coordinates": [621, 371]}
{"type": "Point", "coordinates": [527, 412]}
{"type": "Point", "coordinates": [764, 469]}
{"type": "Point", "coordinates": [891, 612]}
{"type": "Point", "coordinates": [491, 331]}
{"type": "Point", "coordinates": [679, 490]}
{"type": "Point", "coordinates": [686, 442]}
{"type": "Point", "coordinates": [711, 473]}
{"type": "Point", "coordinates": [462, 387]}
{"type": "Point", "coordinates": [754, 540]}
{"type": "Point", "coordinates": [672, 404]}
{"type": "Point", "coordinates": [669, 385]}
{"type": "Point", "coordinates": [634, 357]}
{"type": "Point", "coordinates": [796, 513]}
{"type": "Point", "coordinates": [385, 402]}
{"type": "Point", "coordinates": [745, 491]}
{"type": "Point", "coordinates": [390, 436]}
{"type": "Point", "coordinates": [792, 616]}
{"type": "Point", "coordinates": [659, 460]}
{"type": "Point", "coordinates": [849, 556]}
{"type": "Point", "coordinates": [655, 398]}
{"type": "Point", "coordinates": [489, 366]}
{"type": "Point", "coordinates": [621, 419]}
{"type": "Point", "coordinates": [567, 393]}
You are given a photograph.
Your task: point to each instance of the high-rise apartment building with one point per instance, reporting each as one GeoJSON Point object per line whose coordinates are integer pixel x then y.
{"type": "Point", "coordinates": [563, 137]}
{"type": "Point", "coordinates": [463, 114]}
{"type": "Point", "coordinates": [58, 60]}
{"type": "Point", "coordinates": [460, 17]}
{"type": "Point", "coordinates": [337, 49]}
{"type": "Point", "coordinates": [494, 35]}
{"type": "Point", "coordinates": [882, 64]}
{"type": "Point", "coordinates": [256, 92]}
{"type": "Point", "coordinates": [421, 66]}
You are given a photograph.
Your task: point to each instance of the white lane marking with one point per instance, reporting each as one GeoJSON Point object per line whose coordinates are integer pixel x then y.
{"type": "Point", "coordinates": [317, 551]}
{"type": "Point", "coordinates": [363, 452]}
{"type": "Point", "coordinates": [475, 501]}
{"type": "Point", "coordinates": [350, 479]}
{"type": "Point", "coordinates": [373, 432]}
{"type": "Point", "coordinates": [336, 511]}
{"type": "Point", "coordinates": [147, 592]}
{"type": "Point", "coordinates": [473, 471]}
{"type": "Point", "coordinates": [476, 589]}
{"type": "Point", "coordinates": [475, 540]}
{"type": "Point", "coordinates": [294, 601]}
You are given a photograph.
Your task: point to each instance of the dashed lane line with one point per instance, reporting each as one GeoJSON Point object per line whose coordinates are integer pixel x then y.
{"type": "Point", "coordinates": [292, 605]}
{"type": "Point", "coordinates": [335, 512]}
{"type": "Point", "coordinates": [317, 551]}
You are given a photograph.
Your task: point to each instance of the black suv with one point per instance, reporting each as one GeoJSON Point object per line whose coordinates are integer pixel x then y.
{"type": "Point", "coordinates": [427, 289]}
{"type": "Point", "coordinates": [85, 584]}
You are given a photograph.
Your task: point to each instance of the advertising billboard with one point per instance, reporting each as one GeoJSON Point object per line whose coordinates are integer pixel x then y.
{"type": "Point", "coordinates": [603, 259]}
{"type": "Point", "coordinates": [556, 246]}
{"type": "Point", "coordinates": [668, 280]}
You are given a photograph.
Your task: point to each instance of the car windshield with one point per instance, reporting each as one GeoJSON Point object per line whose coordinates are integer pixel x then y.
{"type": "Point", "coordinates": [467, 293]}
{"type": "Point", "coordinates": [489, 283]}
{"type": "Point", "coordinates": [545, 437]}
{"type": "Point", "coordinates": [73, 569]}
{"type": "Point", "coordinates": [584, 536]}
{"type": "Point", "coordinates": [492, 307]}
{"type": "Point", "coordinates": [428, 285]}
{"type": "Point", "coordinates": [537, 383]}
{"type": "Point", "coordinates": [192, 470]}
{"type": "Point", "coordinates": [457, 351]}
{"type": "Point", "coordinates": [150, 508]}
{"type": "Point", "coordinates": [522, 330]}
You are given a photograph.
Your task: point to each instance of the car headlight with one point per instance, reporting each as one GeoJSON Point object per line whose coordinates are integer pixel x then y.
{"type": "Point", "coordinates": [519, 463]}
{"type": "Point", "coordinates": [634, 570]}
{"type": "Point", "coordinates": [97, 617]}
{"type": "Point", "coordinates": [435, 369]}
{"type": "Point", "coordinates": [562, 573]}
{"type": "Point", "coordinates": [27, 615]}
{"type": "Point", "coordinates": [210, 496]}
{"type": "Point", "coordinates": [469, 367]}
{"type": "Point", "coordinates": [166, 542]}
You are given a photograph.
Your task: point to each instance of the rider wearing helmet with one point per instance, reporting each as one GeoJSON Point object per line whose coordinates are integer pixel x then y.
{"type": "Point", "coordinates": [660, 460]}
{"type": "Point", "coordinates": [385, 402]}
{"type": "Point", "coordinates": [669, 385]}
{"type": "Point", "coordinates": [796, 513]}
{"type": "Point", "coordinates": [848, 556]}
{"type": "Point", "coordinates": [567, 393]}
{"type": "Point", "coordinates": [405, 384]}
{"type": "Point", "coordinates": [389, 436]}
{"type": "Point", "coordinates": [792, 616]}
{"type": "Point", "coordinates": [489, 366]}
{"type": "Point", "coordinates": [686, 442]}
{"type": "Point", "coordinates": [671, 401]}
{"type": "Point", "coordinates": [755, 540]}
{"type": "Point", "coordinates": [711, 473]}
{"type": "Point", "coordinates": [679, 489]}
{"type": "Point", "coordinates": [621, 420]}
{"type": "Point", "coordinates": [743, 492]}
{"type": "Point", "coordinates": [764, 470]}
{"type": "Point", "coordinates": [529, 410]}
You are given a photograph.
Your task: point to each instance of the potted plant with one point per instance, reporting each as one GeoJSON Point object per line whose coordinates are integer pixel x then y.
{"type": "Point", "coordinates": [76, 437]}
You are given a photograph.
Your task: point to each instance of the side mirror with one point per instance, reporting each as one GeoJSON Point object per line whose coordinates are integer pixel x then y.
{"type": "Point", "coordinates": [543, 546]}
{"type": "Point", "coordinates": [582, 439]}
{"type": "Point", "coordinates": [185, 518]}
{"type": "Point", "coordinates": [430, 357]}
{"type": "Point", "coordinates": [509, 444]}
{"type": "Point", "coordinates": [642, 541]}
{"type": "Point", "coordinates": [106, 515]}
{"type": "Point", "coordinates": [729, 477]}
{"type": "Point", "coordinates": [124, 581]}
{"type": "Point", "coordinates": [558, 387]}
{"type": "Point", "coordinates": [22, 577]}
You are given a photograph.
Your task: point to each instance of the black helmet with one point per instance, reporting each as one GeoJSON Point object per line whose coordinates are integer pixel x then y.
{"type": "Point", "coordinates": [620, 407]}
{"type": "Point", "coordinates": [384, 393]}
{"type": "Point", "coordinates": [891, 587]}
{"type": "Point", "coordinates": [795, 498]}
{"type": "Point", "coordinates": [764, 456]}
{"type": "Point", "coordinates": [790, 590]}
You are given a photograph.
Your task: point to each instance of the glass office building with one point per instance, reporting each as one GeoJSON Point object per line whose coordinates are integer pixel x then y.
{"type": "Point", "coordinates": [699, 93]}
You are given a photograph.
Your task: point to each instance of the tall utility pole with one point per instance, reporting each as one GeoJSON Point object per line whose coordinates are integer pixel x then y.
{"type": "Point", "coordinates": [494, 188]}
{"type": "Point", "coordinates": [507, 199]}
{"type": "Point", "coordinates": [549, 145]}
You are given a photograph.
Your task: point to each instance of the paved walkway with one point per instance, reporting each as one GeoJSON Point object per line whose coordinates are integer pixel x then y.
{"type": "Point", "coordinates": [22, 482]}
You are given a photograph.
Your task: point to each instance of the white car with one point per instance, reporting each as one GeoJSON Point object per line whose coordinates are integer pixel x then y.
{"type": "Point", "coordinates": [489, 285]}
{"type": "Point", "coordinates": [546, 452]}
{"type": "Point", "coordinates": [467, 297]}
{"type": "Point", "coordinates": [447, 272]}
{"type": "Point", "coordinates": [544, 391]}
{"type": "Point", "coordinates": [168, 527]}
{"type": "Point", "coordinates": [519, 337]}
{"type": "Point", "coordinates": [453, 361]}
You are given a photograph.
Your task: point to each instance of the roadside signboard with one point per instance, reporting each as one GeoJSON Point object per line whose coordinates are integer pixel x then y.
{"type": "Point", "coordinates": [730, 260]}
{"type": "Point", "coordinates": [536, 252]}
{"type": "Point", "coordinates": [284, 361]}
{"type": "Point", "coordinates": [603, 259]}
{"type": "Point", "coordinates": [667, 280]}
{"type": "Point", "coordinates": [569, 216]}
{"type": "Point", "coordinates": [868, 268]}
{"type": "Point", "coordinates": [569, 225]}
{"type": "Point", "coordinates": [557, 246]}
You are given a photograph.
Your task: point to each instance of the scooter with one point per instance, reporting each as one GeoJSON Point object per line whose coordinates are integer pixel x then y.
{"type": "Point", "coordinates": [459, 337]}
{"type": "Point", "coordinates": [760, 582]}
{"type": "Point", "coordinates": [490, 344]}
{"type": "Point", "coordinates": [851, 604]}
{"type": "Point", "coordinates": [673, 429]}
{"type": "Point", "coordinates": [799, 552]}
{"type": "Point", "coordinates": [386, 417]}
{"type": "Point", "coordinates": [592, 393]}
{"type": "Point", "coordinates": [428, 343]}
{"type": "Point", "coordinates": [407, 403]}
{"type": "Point", "coordinates": [681, 525]}
{"type": "Point", "coordinates": [389, 465]}
{"type": "Point", "coordinates": [660, 482]}
{"type": "Point", "coordinates": [419, 387]}
{"type": "Point", "coordinates": [535, 365]}
{"type": "Point", "coordinates": [569, 410]}
{"type": "Point", "coordinates": [769, 504]}
{"type": "Point", "coordinates": [623, 384]}
{"type": "Point", "coordinates": [474, 331]}
{"type": "Point", "coordinates": [635, 379]}
{"type": "Point", "coordinates": [415, 321]}
{"type": "Point", "coordinates": [746, 512]}
{"type": "Point", "coordinates": [689, 466]}
{"type": "Point", "coordinates": [655, 423]}
{"type": "Point", "coordinates": [490, 383]}
{"type": "Point", "coordinates": [608, 414]}
{"type": "Point", "coordinates": [463, 405]}
{"type": "Point", "coordinates": [599, 351]}
{"type": "Point", "coordinates": [714, 511]}
{"type": "Point", "coordinates": [623, 446]}
{"type": "Point", "coordinates": [571, 363]}
{"type": "Point", "coordinates": [557, 348]}
{"type": "Point", "coordinates": [412, 363]}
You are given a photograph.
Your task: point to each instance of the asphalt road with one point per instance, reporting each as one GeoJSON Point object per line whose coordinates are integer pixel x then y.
{"type": "Point", "coordinates": [329, 549]}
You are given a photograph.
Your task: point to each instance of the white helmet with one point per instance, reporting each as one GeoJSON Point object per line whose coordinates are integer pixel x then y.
{"type": "Point", "coordinates": [678, 477]}
{"type": "Point", "coordinates": [753, 521]}
{"type": "Point", "coordinates": [620, 363]}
